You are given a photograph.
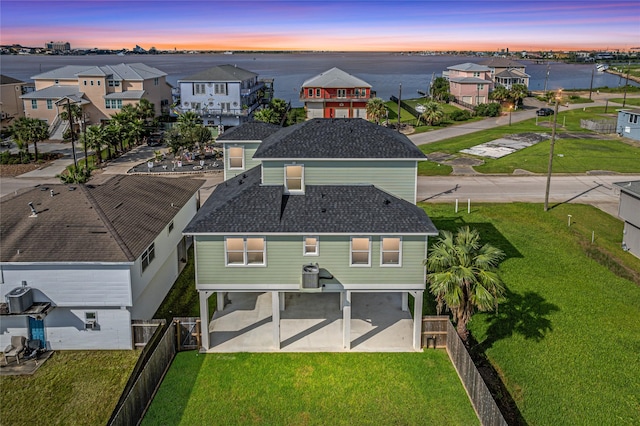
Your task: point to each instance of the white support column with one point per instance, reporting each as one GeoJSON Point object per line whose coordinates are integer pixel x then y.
{"type": "Point", "coordinates": [220, 300]}
{"type": "Point", "coordinates": [417, 320]}
{"type": "Point", "coordinates": [405, 301]}
{"type": "Point", "coordinates": [275, 315]}
{"type": "Point", "coordinates": [342, 299]}
{"type": "Point", "coordinates": [346, 320]}
{"type": "Point", "coordinates": [204, 317]}
{"type": "Point", "coordinates": [282, 293]}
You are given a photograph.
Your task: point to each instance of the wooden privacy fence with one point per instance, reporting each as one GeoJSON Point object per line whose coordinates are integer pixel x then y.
{"type": "Point", "coordinates": [143, 331]}
{"type": "Point", "coordinates": [187, 333]}
{"type": "Point", "coordinates": [439, 332]}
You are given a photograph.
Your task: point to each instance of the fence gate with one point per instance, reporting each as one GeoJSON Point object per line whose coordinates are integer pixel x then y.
{"type": "Point", "coordinates": [187, 333]}
{"type": "Point", "coordinates": [434, 331]}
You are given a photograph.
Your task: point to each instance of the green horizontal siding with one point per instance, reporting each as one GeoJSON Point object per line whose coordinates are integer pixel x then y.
{"type": "Point", "coordinates": [249, 162]}
{"type": "Point", "coordinates": [394, 176]}
{"type": "Point", "coordinates": [285, 260]}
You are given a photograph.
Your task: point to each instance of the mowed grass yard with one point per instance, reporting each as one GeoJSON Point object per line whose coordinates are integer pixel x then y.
{"type": "Point", "coordinates": [311, 389]}
{"type": "Point", "coordinates": [571, 155]}
{"type": "Point", "coordinates": [566, 340]}
{"type": "Point", "coordinates": [70, 388]}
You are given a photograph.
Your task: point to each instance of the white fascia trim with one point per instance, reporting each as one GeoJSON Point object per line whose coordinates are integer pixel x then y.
{"type": "Point", "coordinates": [67, 263]}
{"type": "Point", "coordinates": [296, 287]}
{"type": "Point", "coordinates": [340, 159]}
{"type": "Point", "coordinates": [239, 141]}
{"type": "Point", "coordinates": [277, 234]}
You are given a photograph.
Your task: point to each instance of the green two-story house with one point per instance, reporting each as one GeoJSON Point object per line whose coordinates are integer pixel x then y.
{"type": "Point", "coordinates": [324, 206]}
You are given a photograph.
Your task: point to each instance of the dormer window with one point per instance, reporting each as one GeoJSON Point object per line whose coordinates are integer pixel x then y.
{"type": "Point", "coordinates": [294, 178]}
{"type": "Point", "coordinates": [236, 157]}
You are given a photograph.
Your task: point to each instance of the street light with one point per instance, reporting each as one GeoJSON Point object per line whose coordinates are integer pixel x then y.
{"type": "Point", "coordinates": [510, 109]}
{"type": "Point", "coordinates": [553, 140]}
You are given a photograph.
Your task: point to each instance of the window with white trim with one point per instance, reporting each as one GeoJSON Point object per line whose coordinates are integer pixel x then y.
{"type": "Point", "coordinates": [34, 104]}
{"type": "Point", "coordinates": [318, 92]}
{"type": "Point", "coordinates": [199, 89]}
{"type": "Point", "coordinates": [156, 81]}
{"type": "Point", "coordinates": [49, 104]}
{"type": "Point", "coordinates": [113, 103]}
{"type": "Point", "coordinates": [148, 256]}
{"type": "Point", "coordinates": [310, 92]}
{"type": "Point", "coordinates": [236, 157]}
{"type": "Point", "coordinates": [294, 178]}
{"type": "Point", "coordinates": [360, 251]}
{"type": "Point", "coordinates": [311, 246]}
{"type": "Point", "coordinates": [241, 251]}
{"type": "Point", "coordinates": [114, 83]}
{"type": "Point", "coordinates": [342, 93]}
{"type": "Point", "coordinates": [390, 251]}
{"type": "Point", "coordinates": [220, 88]}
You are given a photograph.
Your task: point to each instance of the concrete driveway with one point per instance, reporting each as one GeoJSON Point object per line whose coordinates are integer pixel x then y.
{"type": "Point", "coordinates": [312, 323]}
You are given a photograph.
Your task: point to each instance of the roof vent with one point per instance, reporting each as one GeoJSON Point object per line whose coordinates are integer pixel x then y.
{"type": "Point", "coordinates": [387, 202]}
{"type": "Point", "coordinates": [34, 213]}
{"type": "Point", "coordinates": [72, 188]}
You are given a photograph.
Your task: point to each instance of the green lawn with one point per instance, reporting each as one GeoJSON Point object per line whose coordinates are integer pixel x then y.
{"type": "Point", "coordinates": [72, 387]}
{"type": "Point", "coordinates": [628, 102]}
{"type": "Point", "coordinates": [571, 155]}
{"type": "Point", "coordinates": [567, 338]}
{"type": "Point", "coordinates": [311, 389]}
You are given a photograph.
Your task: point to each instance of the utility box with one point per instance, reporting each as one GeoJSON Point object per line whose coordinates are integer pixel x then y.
{"type": "Point", "coordinates": [19, 299]}
{"type": "Point", "coordinates": [310, 276]}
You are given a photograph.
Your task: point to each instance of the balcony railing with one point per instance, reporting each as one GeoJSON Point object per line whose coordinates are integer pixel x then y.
{"type": "Point", "coordinates": [348, 96]}
{"type": "Point", "coordinates": [213, 112]}
{"type": "Point", "coordinates": [253, 89]}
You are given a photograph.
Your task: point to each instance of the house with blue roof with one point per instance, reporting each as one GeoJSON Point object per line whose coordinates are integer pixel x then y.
{"type": "Point", "coordinates": [325, 208]}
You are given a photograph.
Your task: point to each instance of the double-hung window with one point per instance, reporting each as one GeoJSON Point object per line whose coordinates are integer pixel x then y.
{"type": "Point", "coordinates": [148, 256]}
{"type": "Point", "coordinates": [245, 251]}
{"type": "Point", "coordinates": [318, 93]}
{"type": "Point", "coordinates": [34, 104]}
{"type": "Point", "coordinates": [236, 157]}
{"type": "Point", "coordinates": [342, 93]}
{"type": "Point", "coordinates": [294, 178]}
{"type": "Point", "coordinates": [390, 251]}
{"type": "Point", "coordinates": [310, 246]}
{"type": "Point", "coordinates": [49, 104]}
{"type": "Point", "coordinates": [360, 251]}
{"type": "Point", "coordinates": [310, 93]}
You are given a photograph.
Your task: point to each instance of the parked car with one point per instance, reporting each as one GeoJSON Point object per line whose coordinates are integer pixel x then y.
{"type": "Point", "coordinates": [155, 139]}
{"type": "Point", "coordinates": [544, 111]}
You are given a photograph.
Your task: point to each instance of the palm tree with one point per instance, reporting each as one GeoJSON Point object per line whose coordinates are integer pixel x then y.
{"type": "Point", "coordinates": [95, 138]}
{"type": "Point", "coordinates": [376, 109]}
{"type": "Point", "coordinates": [500, 94]}
{"type": "Point", "coordinates": [28, 130]}
{"type": "Point", "coordinates": [462, 275]}
{"type": "Point", "coordinates": [189, 118]}
{"type": "Point", "coordinates": [440, 89]}
{"type": "Point", "coordinates": [145, 109]}
{"type": "Point", "coordinates": [518, 92]}
{"type": "Point", "coordinates": [432, 114]}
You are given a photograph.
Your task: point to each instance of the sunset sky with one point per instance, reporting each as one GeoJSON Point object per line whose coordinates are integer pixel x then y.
{"type": "Point", "coordinates": [351, 25]}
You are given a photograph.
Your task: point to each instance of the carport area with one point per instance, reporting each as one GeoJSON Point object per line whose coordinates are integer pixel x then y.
{"type": "Point", "coordinates": [312, 322]}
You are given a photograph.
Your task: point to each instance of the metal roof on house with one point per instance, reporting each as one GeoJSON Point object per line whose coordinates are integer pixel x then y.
{"type": "Point", "coordinates": [335, 78]}
{"type": "Point", "coordinates": [54, 92]}
{"type": "Point", "coordinates": [112, 222]}
{"type": "Point", "coordinates": [250, 131]}
{"type": "Point", "coordinates": [469, 80]}
{"type": "Point", "coordinates": [632, 187]}
{"type": "Point", "coordinates": [221, 73]}
{"type": "Point", "coordinates": [339, 138]}
{"type": "Point", "coordinates": [130, 72]}
{"type": "Point", "coordinates": [127, 94]}
{"type": "Point", "coordinates": [469, 67]}
{"type": "Point", "coordinates": [242, 205]}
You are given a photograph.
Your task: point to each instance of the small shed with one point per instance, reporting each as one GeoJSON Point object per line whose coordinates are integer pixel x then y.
{"type": "Point", "coordinates": [628, 124]}
{"type": "Point", "coordinates": [629, 211]}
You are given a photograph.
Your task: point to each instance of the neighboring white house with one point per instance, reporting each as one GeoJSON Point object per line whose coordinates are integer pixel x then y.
{"type": "Point", "coordinates": [225, 95]}
{"type": "Point", "coordinates": [78, 263]}
{"type": "Point", "coordinates": [629, 211]}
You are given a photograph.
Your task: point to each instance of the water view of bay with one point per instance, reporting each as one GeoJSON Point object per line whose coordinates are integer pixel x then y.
{"type": "Point", "coordinates": [384, 71]}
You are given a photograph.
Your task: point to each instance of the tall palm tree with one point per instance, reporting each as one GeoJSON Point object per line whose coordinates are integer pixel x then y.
{"type": "Point", "coordinates": [189, 118]}
{"type": "Point", "coordinates": [28, 130]}
{"type": "Point", "coordinates": [518, 93]}
{"type": "Point", "coordinates": [500, 94]}
{"type": "Point", "coordinates": [462, 275]}
{"type": "Point", "coordinates": [376, 109]}
{"type": "Point", "coordinates": [433, 113]}
{"type": "Point", "coordinates": [145, 109]}
{"type": "Point", "coordinates": [95, 138]}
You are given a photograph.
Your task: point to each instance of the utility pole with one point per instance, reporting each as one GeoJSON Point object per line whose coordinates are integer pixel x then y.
{"type": "Point", "coordinates": [399, 100]}
{"type": "Point", "coordinates": [626, 84]}
{"type": "Point", "coordinates": [73, 142]}
{"type": "Point", "coordinates": [546, 78]}
{"type": "Point", "coordinates": [591, 86]}
{"type": "Point", "coordinates": [553, 140]}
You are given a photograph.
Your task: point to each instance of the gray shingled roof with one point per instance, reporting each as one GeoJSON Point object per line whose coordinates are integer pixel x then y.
{"type": "Point", "coordinates": [131, 72]}
{"type": "Point", "coordinates": [5, 79]}
{"type": "Point", "coordinates": [335, 78]}
{"type": "Point", "coordinates": [469, 67]}
{"type": "Point", "coordinates": [512, 73]}
{"type": "Point", "coordinates": [469, 80]}
{"type": "Point", "coordinates": [344, 138]}
{"type": "Point", "coordinates": [632, 187]}
{"type": "Point", "coordinates": [112, 222]}
{"type": "Point", "coordinates": [501, 63]}
{"type": "Point", "coordinates": [250, 131]}
{"type": "Point", "coordinates": [242, 205]}
{"type": "Point", "coordinates": [221, 73]}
